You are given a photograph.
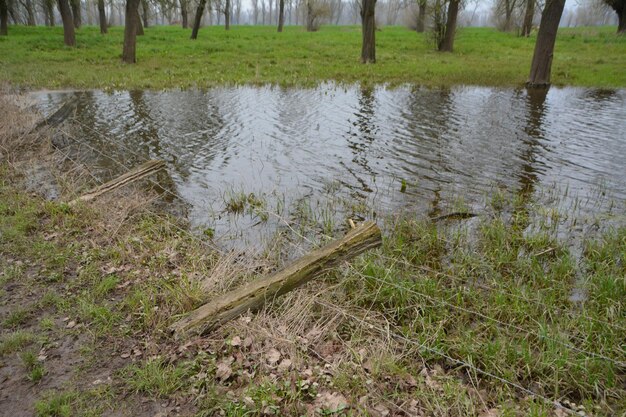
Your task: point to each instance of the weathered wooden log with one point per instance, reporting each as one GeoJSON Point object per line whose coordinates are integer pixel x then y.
{"type": "Point", "coordinates": [135, 174]}
{"type": "Point", "coordinates": [253, 295]}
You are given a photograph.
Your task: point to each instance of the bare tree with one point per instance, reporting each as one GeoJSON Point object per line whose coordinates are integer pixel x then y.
{"type": "Point", "coordinates": [392, 9]}
{"type": "Point", "coordinates": [255, 11]}
{"type": "Point", "coordinates": [421, 16]}
{"type": "Point", "coordinates": [504, 12]}
{"type": "Point", "coordinates": [227, 15]}
{"type": "Point", "coordinates": [620, 8]}
{"type": "Point", "coordinates": [281, 15]}
{"type": "Point", "coordinates": [145, 13]}
{"type": "Point", "coordinates": [30, 12]}
{"type": "Point", "coordinates": [102, 17]}
{"type": "Point", "coordinates": [130, 31]}
{"type": "Point", "coordinates": [4, 18]}
{"type": "Point", "coordinates": [139, 29]}
{"type": "Point", "coordinates": [445, 14]}
{"type": "Point", "coordinates": [48, 12]}
{"type": "Point", "coordinates": [448, 40]}
{"type": "Point", "coordinates": [529, 15]}
{"type": "Point", "coordinates": [76, 13]}
{"type": "Point", "coordinates": [368, 28]}
{"type": "Point", "coordinates": [198, 19]}
{"type": "Point", "coordinates": [544, 46]}
{"type": "Point", "coordinates": [316, 11]}
{"type": "Point", "coordinates": [184, 13]}
{"type": "Point", "coordinates": [68, 24]}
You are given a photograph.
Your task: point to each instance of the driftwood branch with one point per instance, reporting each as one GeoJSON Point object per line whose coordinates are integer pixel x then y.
{"type": "Point", "coordinates": [135, 174]}
{"type": "Point", "coordinates": [253, 295]}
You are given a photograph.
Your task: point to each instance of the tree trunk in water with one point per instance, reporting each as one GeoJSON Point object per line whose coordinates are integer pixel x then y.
{"type": "Point", "coordinates": [544, 47]}
{"type": "Point", "coordinates": [281, 15]}
{"type": "Point", "coordinates": [130, 31]}
{"type": "Point", "coordinates": [102, 16]}
{"type": "Point", "coordinates": [527, 27]}
{"type": "Point", "coordinates": [4, 18]}
{"type": "Point", "coordinates": [447, 42]}
{"type": "Point", "coordinates": [139, 25]}
{"type": "Point", "coordinates": [198, 19]}
{"type": "Point", "coordinates": [184, 14]}
{"type": "Point", "coordinates": [146, 13]}
{"type": "Point", "coordinates": [227, 15]}
{"type": "Point", "coordinates": [421, 17]}
{"type": "Point", "coordinates": [30, 14]}
{"type": "Point", "coordinates": [68, 24]}
{"type": "Point", "coordinates": [76, 13]}
{"type": "Point", "coordinates": [368, 27]}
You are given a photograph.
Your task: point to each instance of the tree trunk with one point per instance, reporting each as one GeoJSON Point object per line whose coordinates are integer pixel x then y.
{"type": "Point", "coordinates": [368, 28]}
{"type": "Point", "coordinates": [309, 16]}
{"type": "Point", "coordinates": [421, 17]}
{"type": "Point", "coordinates": [139, 24]}
{"type": "Point", "coordinates": [146, 13]}
{"type": "Point", "coordinates": [527, 27]}
{"type": "Point", "coordinates": [281, 15]}
{"type": "Point", "coordinates": [4, 18]}
{"type": "Point", "coordinates": [227, 15]}
{"type": "Point", "coordinates": [253, 295]}
{"type": "Point", "coordinates": [49, 11]}
{"type": "Point", "coordinates": [11, 9]}
{"type": "Point", "coordinates": [198, 19]}
{"type": "Point", "coordinates": [76, 13]}
{"type": "Point", "coordinates": [130, 31]}
{"type": "Point", "coordinates": [621, 17]}
{"type": "Point", "coordinates": [68, 25]}
{"type": "Point", "coordinates": [103, 17]}
{"type": "Point", "coordinates": [544, 47]}
{"type": "Point", "coordinates": [184, 14]}
{"type": "Point", "coordinates": [447, 42]}
{"type": "Point", "coordinates": [30, 14]}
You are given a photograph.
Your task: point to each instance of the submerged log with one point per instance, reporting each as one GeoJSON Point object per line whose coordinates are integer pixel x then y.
{"type": "Point", "coordinates": [141, 171]}
{"type": "Point", "coordinates": [253, 295]}
{"type": "Point", "coordinates": [59, 116]}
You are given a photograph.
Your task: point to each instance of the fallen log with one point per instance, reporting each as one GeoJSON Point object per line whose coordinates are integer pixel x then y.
{"type": "Point", "coordinates": [135, 174]}
{"type": "Point", "coordinates": [253, 295]}
{"type": "Point", "coordinates": [58, 116]}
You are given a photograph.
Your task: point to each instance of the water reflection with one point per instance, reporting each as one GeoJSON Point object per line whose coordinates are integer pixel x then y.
{"type": "Point", "coordinates": [447, 145]}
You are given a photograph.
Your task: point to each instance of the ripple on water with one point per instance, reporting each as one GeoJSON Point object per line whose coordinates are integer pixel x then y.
{"type": "Point", "coordinates": [445, 144]}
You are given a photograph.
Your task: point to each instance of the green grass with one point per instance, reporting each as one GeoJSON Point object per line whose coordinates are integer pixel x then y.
{"type": "Point", "coordinates": [13, 342]}
{"type": "Point", "coordinates": [155, 378]}
{"type": "Point", "coordinates": [35, 369]}
{"type": "Point", "coordinates": [35, 57]}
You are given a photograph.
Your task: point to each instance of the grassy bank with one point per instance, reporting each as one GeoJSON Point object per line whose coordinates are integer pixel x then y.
{"type": "Point", "coordinates": [462, 317]}
{"type": "Point", "coordinates": [167, 58]}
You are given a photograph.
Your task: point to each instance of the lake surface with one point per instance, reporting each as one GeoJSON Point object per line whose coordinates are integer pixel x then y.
{"type": "Point", "coordinates": [306, 149]}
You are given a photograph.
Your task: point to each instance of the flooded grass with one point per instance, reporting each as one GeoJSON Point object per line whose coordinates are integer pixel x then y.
{"type": "Point", "coordinates": [167, 58]}
{"type": "Point", "coordinates": [460, 316]}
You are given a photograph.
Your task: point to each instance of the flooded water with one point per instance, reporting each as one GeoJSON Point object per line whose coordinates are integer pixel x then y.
{"type": "Point", "coordinates": [376, 150]}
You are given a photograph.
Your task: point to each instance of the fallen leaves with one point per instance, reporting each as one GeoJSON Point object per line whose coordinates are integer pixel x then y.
{"type": "Point", "coordinates": [273, 356]}
{"type": "Point", "coordinates": [331, 402]}
{"type": "Point", "coordinates": [224, 371]}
